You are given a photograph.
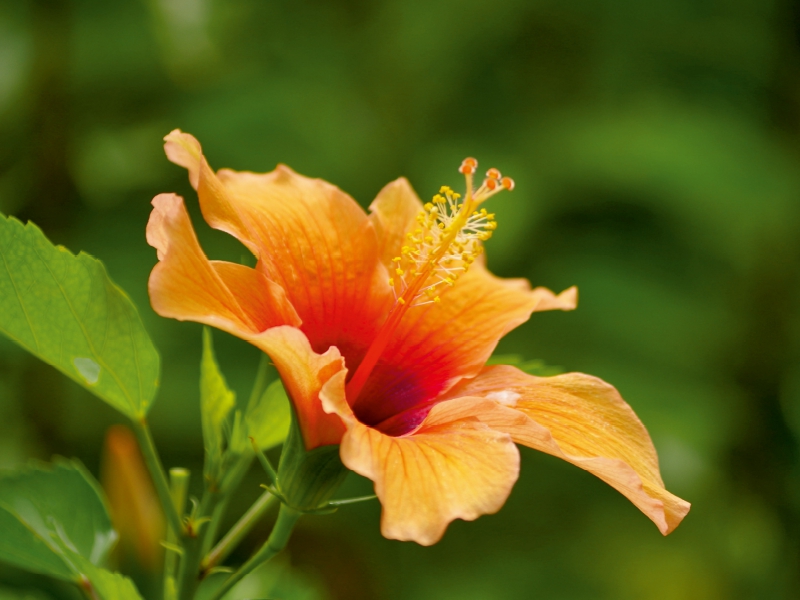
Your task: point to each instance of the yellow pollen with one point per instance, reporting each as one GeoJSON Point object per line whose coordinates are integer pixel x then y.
{"type": "Point", "coordinates": [446, 240]}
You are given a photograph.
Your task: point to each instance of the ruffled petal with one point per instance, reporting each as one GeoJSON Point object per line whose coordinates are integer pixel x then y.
{"type": "Point", "coordinates": [585, 421]}
{"type": "Point", "coordinates": [185, 285]}
{"type": "Point", "coordinates": [452, 467]}
{"type": "Point", "coordinates": [310, 238]}
{"type": "Point", "coordinates": [439, 344]}
{"type": "Point", "coordinates": [304, 374]}
{"type": "Point", "coordinates": [393, 213]}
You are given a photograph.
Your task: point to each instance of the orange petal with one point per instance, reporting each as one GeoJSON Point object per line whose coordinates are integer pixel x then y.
{"type": "Point", "coordinates": [451, 467]}
{"type": "Point", "coordinates": [585, 421]}
{"type": "Point", "coordinates": [547, 300]}
{"type": "Point", "coordinates": [310, 237]}
{"type": "Point", "coordinates": [438, 344]}
{"type": "Point", "coordinates": [393, 213]}
{"type": "Point", "coordinates": [184, 285]}
{"type": "Point", "coordinates": [304, 373]}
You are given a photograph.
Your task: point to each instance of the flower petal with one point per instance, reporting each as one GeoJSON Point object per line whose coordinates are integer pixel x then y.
{"type": "Point", "coordinates": [393, 213]}
{"type": "Point", "coordinates": [436, 345]}
{"type": "Point", "coordinates": [585, 421]}
{"type": "Point", "coordinates": [310, 237]}
{"type": "Point", "coordinates": [185, 285]}
{"type": "Point", "coordinates": [451, 467]}
{"type": "Point", "coordinates": [304, 374]}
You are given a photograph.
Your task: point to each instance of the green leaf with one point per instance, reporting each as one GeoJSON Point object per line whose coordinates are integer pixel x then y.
{"type": "Point", "coordinates": [54, 522]}
{"type": "Point", "coordinates": [104, 584]}
{"type": "Point", "coordinates": [41, 506]}
{"type": "Point", "coordinates": [268, 417]}
{"type": "Point", "coordinates": [216, 403]}
{"type": "Point", "coordinates": [65, 310]}
{"type": "Point", "coordinates": [531, 367]}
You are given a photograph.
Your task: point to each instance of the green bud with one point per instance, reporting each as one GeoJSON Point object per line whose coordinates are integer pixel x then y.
{"type": "Point", "coordinates": [307, 479]}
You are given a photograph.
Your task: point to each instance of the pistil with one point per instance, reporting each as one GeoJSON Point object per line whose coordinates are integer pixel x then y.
{"type": "Point", "coordinates": [441, 248]}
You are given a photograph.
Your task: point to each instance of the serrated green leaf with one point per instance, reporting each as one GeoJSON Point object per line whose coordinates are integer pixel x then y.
{"type": "Point", "coordinates": [532, 367]}
{"type": "Point", "coordinates": [65, 310]}
{"type": "Point", "coordinates": [104, 584]}
{"type": "Point", "coordinates": [216, 403]}
{"type": "Point", "coordinates": [44, 510]}
{"type": "Point", "coordinates": [268, 417]}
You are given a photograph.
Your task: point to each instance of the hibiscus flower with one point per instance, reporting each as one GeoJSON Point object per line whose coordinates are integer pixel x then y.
{"type": "Point", "coordinates": [380, 326]}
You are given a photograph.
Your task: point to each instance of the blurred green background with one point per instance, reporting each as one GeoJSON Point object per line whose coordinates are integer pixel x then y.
{"type": "Point", "coordinates": [655, 149]}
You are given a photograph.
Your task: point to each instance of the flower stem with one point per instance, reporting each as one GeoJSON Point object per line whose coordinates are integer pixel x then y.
{"type": "Point", "coordinates": [189, 573]}
{"type": "Point", "coordinates": [238, 531]}
{"type": "Point", "coordinates": [179, 486]}
{"type": "Point", "coordinates": [156, 469]}
{"type": "Point", "coordinates": [287, 517]}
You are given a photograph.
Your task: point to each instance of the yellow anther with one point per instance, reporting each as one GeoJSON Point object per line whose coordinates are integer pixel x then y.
{"type": "Point", "coordinates": [439, 199]}
{"type": "Point", "coordinates": [428, 239]}
{"type": "Point", "coordinates": [391, 281]}
{"type": "Point", "coordinates": [405, 250]}
{"type": "Point", "coordinates": [445, 189]}
{"type": "Point", "coordinates": [396, 259]}
{"type": "Point", "coordinates": [437, 299]}
{"type": "Point", "coordinates": [401, 301]}
{"type": "Point", "coordinates": [399, 271]}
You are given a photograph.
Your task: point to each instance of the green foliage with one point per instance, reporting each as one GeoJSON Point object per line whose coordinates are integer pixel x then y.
{"type": "Point", "coordinates": [268, 416]}
{"type": "Point", "coordinates": [216, 403]}
{"type": "Point", "coordinates": [226, 431]}
{"type": "Point", "coordinates": [307, 479]}
{"type": "Point", "coordinates": [64, 309]}
{"type": "Point", "coordinates": [54, 522]}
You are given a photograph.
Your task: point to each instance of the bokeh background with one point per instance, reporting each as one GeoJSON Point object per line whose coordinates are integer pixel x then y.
{"type": "Point", "coordinates": [655, 149]}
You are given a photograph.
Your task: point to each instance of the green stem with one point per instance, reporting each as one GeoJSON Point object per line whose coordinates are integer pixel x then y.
{"type": "Point", "coordinates": [230, 481]}
{"type": "Point", "coordinates": [287, 517]}
{"type": "Point", "coordinates": [238, 532]}
{"type": "Point", "coordinates": [179, 486]}
{"type": "Point", "coordinates": [189, 573]}
{"type": "Point", "coordinates": [156, 469]}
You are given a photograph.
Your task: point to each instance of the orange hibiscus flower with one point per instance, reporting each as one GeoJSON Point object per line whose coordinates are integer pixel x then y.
{"type": "Point", "coordinates": [380, 326]}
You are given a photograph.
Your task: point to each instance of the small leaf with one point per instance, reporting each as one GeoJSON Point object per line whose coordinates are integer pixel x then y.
{"type": "Point", "coordinates": [269, 416]}
{"type": "Point", "coordinates": [216, 403]}
{"type": "Point", "coordinates": [65, 310]}
{"type": "Point", "coordinates": [531, 367]}
{"type": "Point", "coordinates": [44, 510]}
{"type": "Point", "coordinates": [104, 584]}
